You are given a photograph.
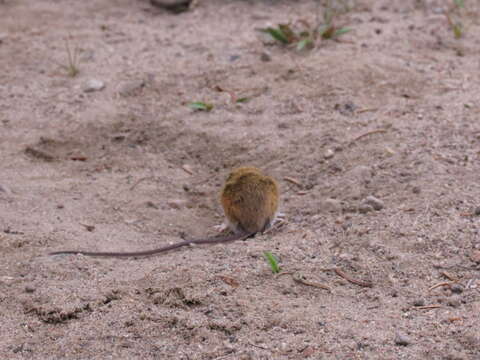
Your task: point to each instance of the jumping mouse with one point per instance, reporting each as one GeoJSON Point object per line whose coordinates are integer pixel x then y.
{"type": "Point", "coordinates": [249, 200]}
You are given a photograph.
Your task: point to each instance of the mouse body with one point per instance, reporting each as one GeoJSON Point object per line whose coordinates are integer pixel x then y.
{"type": "Point", "coordinates": [249, 200]}
{"type": "Point", "coordinates": [250, 203]}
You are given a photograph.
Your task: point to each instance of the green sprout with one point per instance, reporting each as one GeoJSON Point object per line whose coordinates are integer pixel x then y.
{"type": "Point", "coordinates": [72, 57]}
{"type": "Point", "coordinates": [200, 106]}
{"type": "Point", "coordinates": [454, 11]}
{"type": "Point", "coordinates": [306, 36]}
{"type": "Point", "coordinates": [272, 261]}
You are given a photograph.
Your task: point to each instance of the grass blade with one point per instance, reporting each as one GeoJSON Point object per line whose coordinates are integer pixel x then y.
{"type": "Point", "coordinates": [272, 261]}
{"type": "Point", "coordinates": [302, 44]}
{"type": "Point", "coordinates": [341, 31]}
{"type": "Point", "coordinates": [198, 105]}
{"type": "Point", "coordinates": [277, 34]}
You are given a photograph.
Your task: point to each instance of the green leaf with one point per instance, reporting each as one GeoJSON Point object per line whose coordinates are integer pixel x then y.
{"type": "Point", "coordinates": [272, 261]}
{"type": "Point", "coordinates": [277, 34]}
{"type": "Point", "coordinates": [303, 43]}
{"type": "Point", "coordinates": [457, 30]}
{"type": "Point", "coordinates": [459, 3]}
{"type": "Point", "coordinates": [243, 100]}
{"type": "Point", "coordinates": [287, 32]}
{"type": "Point", "coordinates": [198, 105]}
{"type": "Point", "coordinates": [341, 31]}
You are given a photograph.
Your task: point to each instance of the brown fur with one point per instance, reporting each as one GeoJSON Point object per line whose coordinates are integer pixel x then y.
{"type": "Point", "coordinates": [249, 200]}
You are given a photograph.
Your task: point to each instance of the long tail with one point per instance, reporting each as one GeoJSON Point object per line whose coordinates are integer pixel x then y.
{"type": "Point", "coordinates": [214, 240]}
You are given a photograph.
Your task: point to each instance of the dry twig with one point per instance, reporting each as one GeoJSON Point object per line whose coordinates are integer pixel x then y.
{"type": "Point", "coordinates": [377, 131]}
{"type": "Point", "coordinates": [187, 169]}
{"type": "Point", "coordinates": [139, 181]}
{"type": "Point", "coordinates": [449, 284]}
{"type": "Point", "coordinates": [427, 307]}
{"type": "Point", "coordinates": [352, 280]}
{"type": "Point", "coordinates": [292, 180]}
{"type": "Point", "coordinates": [298, 278]}
{"type": "Point", "coordinates": [448, 276]}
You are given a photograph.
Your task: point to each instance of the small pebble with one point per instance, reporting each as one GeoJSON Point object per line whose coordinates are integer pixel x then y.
{"type": "Point", "coordinates": [475, 256]}
{"type": "Point", "coordinates": [131, 87]}
{"type": "Point", "coordinates": [375, 203]}
{"type": "Point", "coordinates": [345, 257]}
{"type": "Point", "coordinates": [89, 228]}
{"type": "Point", "coordinates": [93, 85]}
{"type": "Point", "coordinates": [265, 57]}
{"type": "Point", "coordinates": [402, 339]}
{"type": "Point", "coordinates": [454, 301]}
{"type": "Point", "coordinates": [328, 154]}
{"type": "Point", "coordinates": [118, 137]}
{"type": "Point", "coordinates": [332, 205]}
{"type": "Point", "coordinates": [365, 208]}
{"type": "Point", "coordinates": [346, 109]}
{"type": "Point", "coordinates": [456, 288]}
{"type": "Point", "coordinates": [416, 190]}
{"type": "Point", "coordinates": [29, 289]}
{"type": "Point", "coordinates": [175, 6]}
{"type": "Point", "coordinates": [361, 173]}
{"type": "Point", "coordinates": [477, 211]}
{"type": "Point", "coordinates": [151, 204]}
{"type": "Point", "coordinates": [419, 302]}
{"type": "Point", "coordinates": [177, 203]}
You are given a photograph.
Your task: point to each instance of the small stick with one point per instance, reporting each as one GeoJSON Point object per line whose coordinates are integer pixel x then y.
{"type": "Point", "coordinates": [449, 284]}
{"type": "Point", "coordinates": [455, 318]}
{"type": "Point", "coordinates": [259, 347]}
{"type": "Point", "coordinates": [366, 110]}
{"type": "Point", "coordinates": [377, 131]}
{"type": "Point", "coordinates": [353, 281]}
{"type": "Point", "coordinates": [426, 307]}
{"type": "Point", "coordinates": [139, 181]}
{"type": "Point", "coordinates": [187, 169]}
{"type": "Point", "coordinates": [78, 158]}
{"type": "Point", "coordinates": [298, 278]}
{"type": "Point", "coordinates": [229, 280]}
{"type": "Point", "coordinates": [448, 276]}
{"type": "Point", "coordinates": [292, 180]}
{"type": "Point", "coordinates": [284, 273]}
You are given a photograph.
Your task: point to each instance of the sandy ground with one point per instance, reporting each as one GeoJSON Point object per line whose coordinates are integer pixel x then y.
{"type": "Point", "coordinates": [390, 110]}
